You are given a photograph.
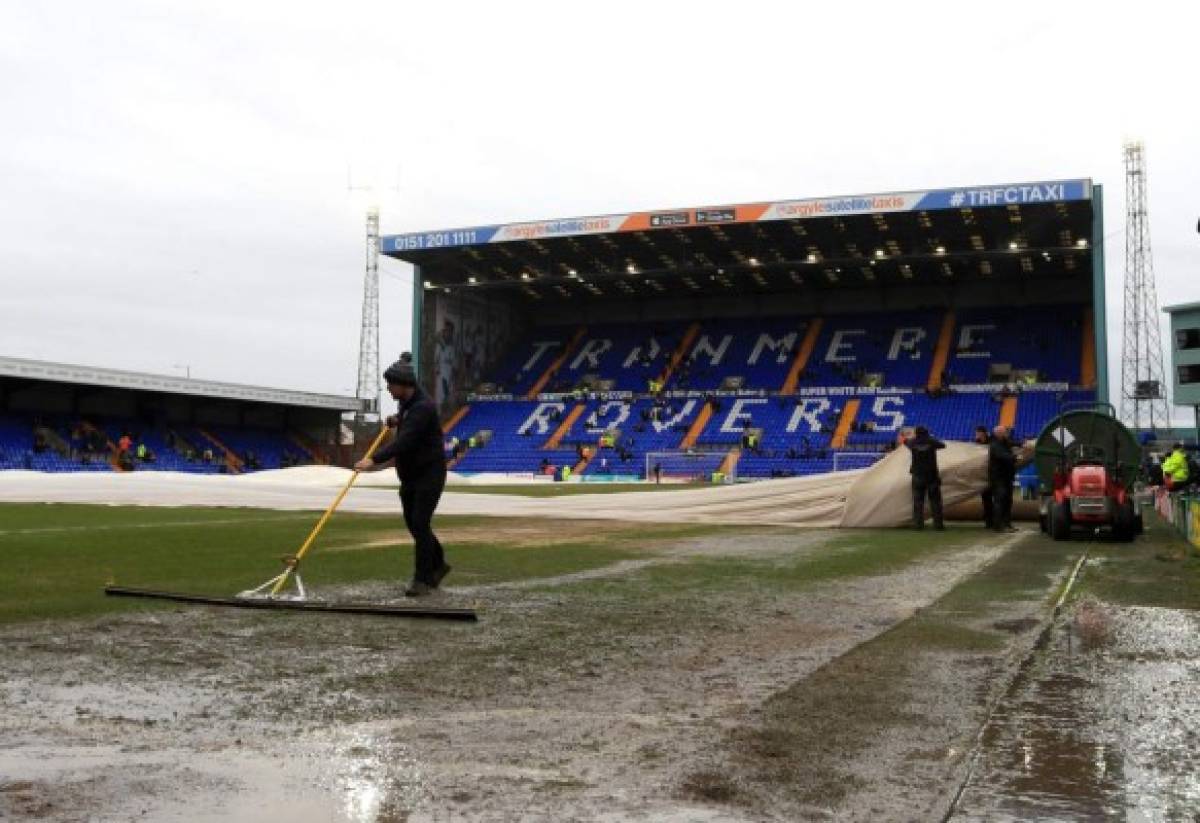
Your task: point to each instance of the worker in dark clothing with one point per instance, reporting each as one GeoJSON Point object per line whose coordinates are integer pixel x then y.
{"type": "Point", "coordinates": [1002, 470]}
{"type": "Point", "coordinates": [984, 438]}
{"type": "Point", "coordinates": [420, 458]}
{"type": "Point", "coordinates": [925, 477]}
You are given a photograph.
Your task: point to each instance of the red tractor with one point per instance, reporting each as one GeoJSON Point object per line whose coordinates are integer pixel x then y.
{"type": "Point", "coordinates": [1087, 463]}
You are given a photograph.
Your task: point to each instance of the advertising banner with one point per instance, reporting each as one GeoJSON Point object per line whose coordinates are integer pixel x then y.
{"type": "Point", "coordinates": [1053, 191]}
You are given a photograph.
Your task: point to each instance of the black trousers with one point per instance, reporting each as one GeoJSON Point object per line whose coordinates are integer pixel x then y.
{"type": "Point", "coordinates": [1002, 499]}
{"type": "Point", "coordinates": [921, 488]}
{"type": "Point", "coordinates": [989, 515]}
{"type": "Point", "coordinates": [419, 499]}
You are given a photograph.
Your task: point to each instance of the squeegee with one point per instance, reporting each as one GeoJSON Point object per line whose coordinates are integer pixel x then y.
{"type": "Point", "coordinates": [274, 594]}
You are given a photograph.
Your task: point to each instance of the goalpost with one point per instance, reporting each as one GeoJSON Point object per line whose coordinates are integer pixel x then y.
{"type": "Point", "coordinates": [846, 461]}
{"type": "Point", "coordinates": [688, 467]}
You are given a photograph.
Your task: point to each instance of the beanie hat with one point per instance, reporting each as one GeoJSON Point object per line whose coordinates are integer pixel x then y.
{"type": "Point", "coordinates": [401, 373]}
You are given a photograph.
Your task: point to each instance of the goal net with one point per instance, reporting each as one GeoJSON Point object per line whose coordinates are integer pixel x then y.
{"type": "Point", "coordinates": [687, 467]}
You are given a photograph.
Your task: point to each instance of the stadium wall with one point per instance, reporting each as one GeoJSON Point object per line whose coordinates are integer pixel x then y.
{"type": "Point", "coordinates": [461, 335]}
{"type": "Point", "coordinates": [1099, 302]}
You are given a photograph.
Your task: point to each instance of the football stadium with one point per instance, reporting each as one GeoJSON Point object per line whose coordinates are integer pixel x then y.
{"type": "Point", "coordinates": [759, 340]}
{"type": "Point", "coordinates": [690, 572]}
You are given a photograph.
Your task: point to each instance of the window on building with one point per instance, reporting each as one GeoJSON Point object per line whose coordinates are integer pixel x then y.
{"type": "Point", "coordinates": [1187, 339]}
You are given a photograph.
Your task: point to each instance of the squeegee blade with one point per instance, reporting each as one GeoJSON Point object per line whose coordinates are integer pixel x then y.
{"type": "Point", "coordinates": [259, 602]}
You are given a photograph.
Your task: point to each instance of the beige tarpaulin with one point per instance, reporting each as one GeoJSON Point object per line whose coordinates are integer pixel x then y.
{"type": "Point", "coordinates": [878, 496]}
{"type": "Point", "coordinates": [882, 495]}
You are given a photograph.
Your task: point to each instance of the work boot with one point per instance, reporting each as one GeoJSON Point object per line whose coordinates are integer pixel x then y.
{"type": "Point", "coordinates": [418, 589]}
{"type": "Point", "coordinates": [439, 575]}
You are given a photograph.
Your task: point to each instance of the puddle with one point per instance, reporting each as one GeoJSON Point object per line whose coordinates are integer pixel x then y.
{"type": "Point", "coordinates": [355, 775]}
{"type": "Point", "coordinates": [1104, 724]}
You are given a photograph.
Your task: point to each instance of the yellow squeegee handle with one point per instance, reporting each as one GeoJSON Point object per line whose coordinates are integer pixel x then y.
{"type": "Point", "coordinates": [312, 536]}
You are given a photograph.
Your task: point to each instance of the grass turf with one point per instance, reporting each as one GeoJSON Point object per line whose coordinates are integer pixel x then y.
{"type": "Point", "coordinates": [848, 554]}
{"type": "Point", "coordinates": [1158, 569]}
{"type": "Point", "coordinates": [56, 559]}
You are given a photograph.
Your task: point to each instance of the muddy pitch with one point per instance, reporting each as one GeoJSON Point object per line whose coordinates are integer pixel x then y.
{"type": "Point", "coordinates": [604, 695]}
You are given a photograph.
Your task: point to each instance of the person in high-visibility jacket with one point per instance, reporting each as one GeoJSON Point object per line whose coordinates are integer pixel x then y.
{"type": "Point", "coordinates": [1175, 468]}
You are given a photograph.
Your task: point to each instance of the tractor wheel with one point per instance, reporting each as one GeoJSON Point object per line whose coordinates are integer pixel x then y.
{"type": "Point", "coordinates": [1060, 521]}
{"type": "Point", "coordinates": [1124, 525]}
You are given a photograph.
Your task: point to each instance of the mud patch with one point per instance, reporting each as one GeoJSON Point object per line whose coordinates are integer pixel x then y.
{"type": "Point", "coordinates": [881, 731]}
{"type": "Point", "coordinates": [588, 698]}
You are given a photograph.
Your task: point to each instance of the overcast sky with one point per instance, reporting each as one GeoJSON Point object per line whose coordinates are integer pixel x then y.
{"type": "Point", "coordinates": [173, 175]}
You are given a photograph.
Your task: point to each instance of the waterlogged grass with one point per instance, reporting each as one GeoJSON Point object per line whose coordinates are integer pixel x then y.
{"type": "Point", "coordinates": [856, 553]}
{"type": "Point", "coordinates": [56, 559]}
{"type": "Point", "coordinates": [809, 732]}
{"type": "Point", "coordinates": [1160, 568]}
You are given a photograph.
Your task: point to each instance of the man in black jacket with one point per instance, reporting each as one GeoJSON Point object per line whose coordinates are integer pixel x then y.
{"type": "Point", "coordinates": [925, 477]}
{"type": "Point", "coordinates": [984, 438]}
{"type": "Point", "coordinates": [418, 452]}
{"type": "Point", "coordinates": [1002, 470]}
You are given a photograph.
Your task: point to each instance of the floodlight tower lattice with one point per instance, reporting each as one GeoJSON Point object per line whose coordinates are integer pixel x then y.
{"type": "Point", "coordinates": [368, 341]}
{"type": "Point", "coordinates": [1143, 389]}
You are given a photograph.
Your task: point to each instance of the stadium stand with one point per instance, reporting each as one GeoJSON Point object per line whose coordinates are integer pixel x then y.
{"type": "Point", "coordinates": [949, 307]}
{"type": "Point", "coordinates": [515, 433]}
{"type": "Point", "coordinates": [897, 346]}
{"type": "Point", "coordinates": [773, 396]}
{"type": "Point", "coordinates": [1038, 408]}
{"type": "Point", "coordinates": [644, 426]}
{"type": "Point", "coordinates": [629, 355]}
{"type": "Point", "coordinates": [62, 417]}
{"type": "Point", "coordinates": [86, 444]}
{"type": "Point", "coordinates": [1029, 339]}
{"type": "Point", "coordinates": [866, 378]}
{"type": "Point", "coordinates": [16, 440]}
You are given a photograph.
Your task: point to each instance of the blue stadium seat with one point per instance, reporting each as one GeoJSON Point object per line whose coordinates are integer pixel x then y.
{"type": "Point", "coordinates": [900, 346]}
{"type": "Point", "coordinates": [797, 430]}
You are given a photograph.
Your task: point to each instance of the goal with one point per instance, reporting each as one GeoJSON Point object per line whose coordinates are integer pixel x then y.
{"type": "Point", "coordinates": [845, 461]}
{"type": "Point", "coordinates": [688, 467]}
